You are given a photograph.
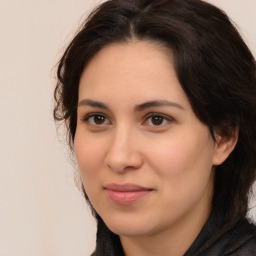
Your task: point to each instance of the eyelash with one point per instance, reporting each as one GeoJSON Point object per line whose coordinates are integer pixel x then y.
{"type": "Point", "coordinates": [86, 119]}
{"type": "Point", "coordinates": [163, 118]}
{"type": "Point", "coordinates": [158, 115]}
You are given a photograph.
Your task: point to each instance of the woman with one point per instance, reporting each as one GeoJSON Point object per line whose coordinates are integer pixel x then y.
{"type": "Point", "coordinates": [159, 101]}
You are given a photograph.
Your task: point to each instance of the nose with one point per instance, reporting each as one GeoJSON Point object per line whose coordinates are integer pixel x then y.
{"type": "Point", "coordinates": [123, 153]}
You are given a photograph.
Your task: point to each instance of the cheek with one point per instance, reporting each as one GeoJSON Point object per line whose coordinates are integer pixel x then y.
{"type": "Point", "coordinates": [184, 173]}
{"type": "Point", "coordinates": [89, 159]}
{"type": "Point", "coordinates": [183, 161]}
{"type": "Point", "coordinates": [90, 156]}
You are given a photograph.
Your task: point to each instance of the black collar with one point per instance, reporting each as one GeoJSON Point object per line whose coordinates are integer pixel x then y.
{"type": "Point", "coordinates": [222, 241]}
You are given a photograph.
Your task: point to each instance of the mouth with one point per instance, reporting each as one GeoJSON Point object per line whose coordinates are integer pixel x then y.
{"type": "Point", "coordinates": [126, 194]}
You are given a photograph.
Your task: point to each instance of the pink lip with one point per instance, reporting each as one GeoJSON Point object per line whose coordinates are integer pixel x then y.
{"type": "Point", "coordinates": [126, 194]}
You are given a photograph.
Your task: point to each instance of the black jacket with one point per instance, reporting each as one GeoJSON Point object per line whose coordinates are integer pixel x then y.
{"type": "Point", "coordinates": [239, 240]}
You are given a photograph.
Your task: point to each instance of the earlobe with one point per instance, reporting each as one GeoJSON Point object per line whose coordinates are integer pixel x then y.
{"type": "Point", "coordinates": [224, 145]}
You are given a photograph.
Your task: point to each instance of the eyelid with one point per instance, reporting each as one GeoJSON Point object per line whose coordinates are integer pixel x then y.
{"type": "Point", "coordinates": [164, 116]}
{"type": "Point", "coordinates": [86, 117]}
{"type": "Point", "coordinates": [159, 114]}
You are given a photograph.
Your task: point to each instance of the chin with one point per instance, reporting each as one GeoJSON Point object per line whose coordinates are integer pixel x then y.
{"type": "Point", "coordinates": [130, 227]}
{"type": "Point", "coordinates": [129, 231]}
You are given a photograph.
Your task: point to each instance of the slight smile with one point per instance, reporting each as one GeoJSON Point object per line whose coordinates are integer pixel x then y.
{"type": "Point", "coordinates": [126, 194]}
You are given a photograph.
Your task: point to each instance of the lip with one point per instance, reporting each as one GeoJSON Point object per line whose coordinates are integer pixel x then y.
{"type": "Point", "coordinates": [126, 194]}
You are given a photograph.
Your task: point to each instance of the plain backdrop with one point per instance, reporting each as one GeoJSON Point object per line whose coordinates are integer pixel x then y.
{"type": "Point", "coordinates": [42, 213]}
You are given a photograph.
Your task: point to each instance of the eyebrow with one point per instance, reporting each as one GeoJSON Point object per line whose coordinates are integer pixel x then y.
{"type": "Point", "coordinates": [92, 103]}
{"type": "Point", "coordinates": [158, 103]}
{"type": "Point", "coordinates": [138, 108]}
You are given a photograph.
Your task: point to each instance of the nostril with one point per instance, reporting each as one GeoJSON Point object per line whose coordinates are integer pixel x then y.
{"type": "Point", "coordinates": [123, 154]}
{"type": "Point", "coordinates": [123, 162]}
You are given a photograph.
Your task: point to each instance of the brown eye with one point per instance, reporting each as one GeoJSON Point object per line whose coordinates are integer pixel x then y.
{"type": "Point", "coordinates": [96, 119]}
{"type": "Point", "coordinates": [157, 120]}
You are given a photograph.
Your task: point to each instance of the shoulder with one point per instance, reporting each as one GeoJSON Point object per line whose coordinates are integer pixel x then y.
{"type": "Point", "coordinates": [248, 248]}
{"type": "Point", "coordinates": [240, 241]}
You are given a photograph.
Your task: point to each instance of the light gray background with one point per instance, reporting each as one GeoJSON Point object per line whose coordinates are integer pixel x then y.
{"type": "Point", "coordinates": [41, 211]}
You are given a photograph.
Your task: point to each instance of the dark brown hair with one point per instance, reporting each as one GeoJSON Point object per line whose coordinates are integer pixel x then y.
{"type": "Point", "coordinates": [215, 69]}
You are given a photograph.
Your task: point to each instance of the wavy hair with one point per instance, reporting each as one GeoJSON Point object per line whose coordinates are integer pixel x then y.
{"type": "Point", "coordinates": [214, 67]}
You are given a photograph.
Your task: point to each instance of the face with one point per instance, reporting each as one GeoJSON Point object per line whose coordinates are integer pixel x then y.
{"type": "Point", "coordinates": [146, 161]}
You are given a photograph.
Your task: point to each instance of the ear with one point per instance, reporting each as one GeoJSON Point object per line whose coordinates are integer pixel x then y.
{"type": "Point", "coordinates": [224, 145]}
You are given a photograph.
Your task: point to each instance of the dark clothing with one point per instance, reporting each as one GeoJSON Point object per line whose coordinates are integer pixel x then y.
{"type": "Point", "coordinates": [239, 240]}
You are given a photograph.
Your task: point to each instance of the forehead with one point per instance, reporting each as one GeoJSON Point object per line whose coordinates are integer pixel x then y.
{"type": "Point", "coordinates": [135, 69]}
{"type": "Point", "coordinates": [136, 57]}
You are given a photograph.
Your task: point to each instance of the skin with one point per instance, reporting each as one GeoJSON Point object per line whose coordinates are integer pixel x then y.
{"type": "Point", "coordinates": [174, 154]}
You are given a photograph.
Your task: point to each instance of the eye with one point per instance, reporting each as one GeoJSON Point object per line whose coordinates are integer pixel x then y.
{"type": "Point", "coordinates": [156, 119]}
{"type": "Point", "coordinates": [96, 119]}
